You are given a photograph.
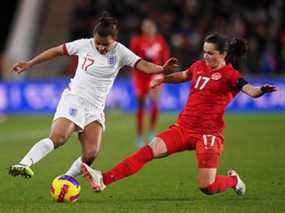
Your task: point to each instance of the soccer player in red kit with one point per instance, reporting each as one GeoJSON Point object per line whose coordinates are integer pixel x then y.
{"type": "Point", "coordinates": [199, 127]}
{"type": "Point", "coordinates": [152, 47]}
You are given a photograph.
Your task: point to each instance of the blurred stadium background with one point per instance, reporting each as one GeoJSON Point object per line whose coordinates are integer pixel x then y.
{"type": "Point", "coordinates": [255, 139]}
{"type": "Point", "coordinates": [30, 27]}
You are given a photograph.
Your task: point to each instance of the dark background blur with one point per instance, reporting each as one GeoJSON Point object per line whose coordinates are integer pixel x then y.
{"type": "Point", "coordinates": [185, 23]}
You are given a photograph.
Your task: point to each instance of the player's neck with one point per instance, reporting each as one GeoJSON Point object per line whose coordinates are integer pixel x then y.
{"type": "Point", "coordinates": [149, 37]}
{"type": "Point", "coordinates": [219, 66]}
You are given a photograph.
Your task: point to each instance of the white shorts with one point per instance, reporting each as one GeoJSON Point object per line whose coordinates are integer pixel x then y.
{"type": "Point", "coordinates": [78, 110]}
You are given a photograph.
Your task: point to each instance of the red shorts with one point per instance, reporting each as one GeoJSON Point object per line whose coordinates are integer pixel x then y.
{"type": "Point", "coordinates": [208, 147]}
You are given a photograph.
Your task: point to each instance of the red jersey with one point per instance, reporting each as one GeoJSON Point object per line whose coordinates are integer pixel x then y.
{"type": "Point", "coordinates": [211, 92]}
{"type": "Point", "coordinates": [152, 49]}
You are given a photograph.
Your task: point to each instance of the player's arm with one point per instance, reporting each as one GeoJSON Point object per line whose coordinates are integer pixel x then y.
{"type": "Point", "coordinates": [174, 78]}
{"type": "Point", "coordinates": [169, 66]}
{"type": "Point", "coordinates": [254, 91]}
{"type": "Point", "coordinates": [44, 56]}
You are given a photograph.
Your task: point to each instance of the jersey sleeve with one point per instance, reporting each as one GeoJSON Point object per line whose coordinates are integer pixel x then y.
{"type": "Point", "coordinates": [73, 48]}
{"type": "Point", "coordinates": [190, 70]}
{"type": "Point", "coordinates": [235, 79]}
{"type": "Point", "coordinates": [128, 58]}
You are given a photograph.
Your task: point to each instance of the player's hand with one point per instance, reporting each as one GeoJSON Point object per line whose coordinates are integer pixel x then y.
{"type": "Point", "coordinates": [170, 66]}
{"type": "Point", "coordinates": [158, 80]}
{"type": "Point", "coordinates": [20, 67]}
{"type": "Point", "coordinates": [267, 88]}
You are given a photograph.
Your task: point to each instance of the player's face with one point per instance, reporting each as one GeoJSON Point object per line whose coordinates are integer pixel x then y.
{"type": "Point", "coordinates": [103, 43]}
{"type": "Point", "coordinates": [148, 28]}
{"type": "Point", "coordinates": [212, 56]}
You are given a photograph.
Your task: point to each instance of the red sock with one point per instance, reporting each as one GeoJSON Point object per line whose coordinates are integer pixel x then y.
{"type": "Point", "coordinates": [153, 116]}
{"type": "Point", "coordinates": [221, 184]}
{"type": "Point", "coordinates": [140, 117]}
{"type": "Point", "coordinates": [129, 166]}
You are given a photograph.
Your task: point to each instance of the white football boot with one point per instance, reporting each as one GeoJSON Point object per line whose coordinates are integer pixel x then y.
{"type": "Point", "coordinates": [240, 187]}
{"type": "Point", "coordinates": [94, 177]}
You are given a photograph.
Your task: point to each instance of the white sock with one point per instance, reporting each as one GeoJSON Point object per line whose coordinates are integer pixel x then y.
{"type": "Point", "coordinates": [37, 152]}
{"type": "Point", "coordinates": [74, 170]}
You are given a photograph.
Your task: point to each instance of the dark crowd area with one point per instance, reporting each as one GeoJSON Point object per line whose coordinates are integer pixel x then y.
{"type": "Point", "coordinates": [184, 24]}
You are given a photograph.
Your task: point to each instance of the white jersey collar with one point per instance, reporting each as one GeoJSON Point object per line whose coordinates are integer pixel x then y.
{"type": "Point", "coordinates": [93, 46]}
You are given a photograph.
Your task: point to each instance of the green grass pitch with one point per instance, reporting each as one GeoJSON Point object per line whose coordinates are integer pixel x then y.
{"type": "Point", "coordinates": [254, 146]}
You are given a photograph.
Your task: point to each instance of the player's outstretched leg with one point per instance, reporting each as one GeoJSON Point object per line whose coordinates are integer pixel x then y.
{"type": "Point", "coordinates": [36, 153]}
{"type": "Point", "coordinates": [125, 168]}
{"type": "Point", "coordinates": [240, 187]}
{"type": "Point", "coordinates": [61, 130]}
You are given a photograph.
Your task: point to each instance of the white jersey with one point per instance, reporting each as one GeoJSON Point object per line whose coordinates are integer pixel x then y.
{"type": "Point", "coordinates": [95, 73]}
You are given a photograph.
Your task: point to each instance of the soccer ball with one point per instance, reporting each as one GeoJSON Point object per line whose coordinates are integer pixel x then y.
{"type": "Point", "coordinates": [65, 189]}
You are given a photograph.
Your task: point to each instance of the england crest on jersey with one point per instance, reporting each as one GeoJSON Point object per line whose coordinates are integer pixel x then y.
{"type": "Point", "coordinates": [72, 112]}
{"type": "Point", "coordinates": [112, 60]}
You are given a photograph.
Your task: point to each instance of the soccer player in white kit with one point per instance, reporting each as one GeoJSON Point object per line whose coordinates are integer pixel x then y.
{"type": "Point", "coordinates": [82, 102]}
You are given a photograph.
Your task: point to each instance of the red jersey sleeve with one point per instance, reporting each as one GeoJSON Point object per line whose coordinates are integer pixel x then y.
{"type": "Point", "coordinates": [190, 70]}
{"type": "Point", "coordinates": [235, 75]}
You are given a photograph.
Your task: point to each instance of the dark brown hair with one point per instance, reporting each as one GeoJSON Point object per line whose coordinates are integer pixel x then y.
{"type": "Point", "coordinates": [236, 48]}
{"type": "Point", "coordinates": [106, 25]}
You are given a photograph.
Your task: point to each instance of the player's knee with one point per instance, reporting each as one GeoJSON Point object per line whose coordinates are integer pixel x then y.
{"type": "Point", "coordinates": [158, 147]}
{"type": "Point", "coordinates": [59, 138]}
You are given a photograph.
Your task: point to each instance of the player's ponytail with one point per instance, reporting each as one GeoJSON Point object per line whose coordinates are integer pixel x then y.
{"type": "Point", "coordinates": [236, 50]}
{"type": "Point", "coordinates": [106, 25]}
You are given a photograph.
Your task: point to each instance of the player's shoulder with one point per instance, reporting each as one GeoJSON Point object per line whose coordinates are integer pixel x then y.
{"type": "Point", "coordinates": [120, 47]}
{"type": "Point", "coordinates": [121, 50]}
{"type": "Point", "coordinates": [82, 42]}
{"type": "Point", "coordinates": [231, 71]}
{"type": "Point", "coordinates": [198, 64]}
